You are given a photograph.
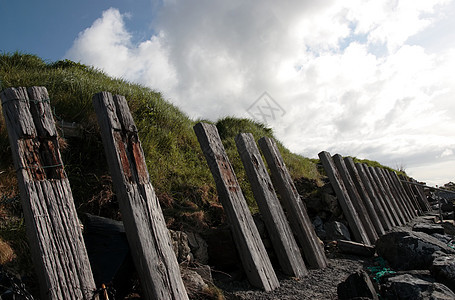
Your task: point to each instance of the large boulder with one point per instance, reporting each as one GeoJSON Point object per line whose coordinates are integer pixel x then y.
{"type": "Point", "coordinates": [357, 285]}
{"type": "Point", "coordinates": [409, 287]}
{"type": "Point", "coordinates": [443, 269]}
{"type": "Point", "coordinates": [336, 231]}
{"type": "Point", "coordinates": [406, 250]}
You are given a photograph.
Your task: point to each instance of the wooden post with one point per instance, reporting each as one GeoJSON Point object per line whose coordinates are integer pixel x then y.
{"type": "Point", "coordinates": [282, 238]}
{"type": "Point", "coordinates": [396, 196]}
{"type": "Point", "coordinates": [390, 211]}
{"type": "Point", "coordinates": [53, 230]}
{"type": "Point", "coordinates": [376, 198]}
{"type": "Point", "coordinates": [410, 195]}
{"type": "Point", "coordinates": [421, 205]}
{"type": "Point", "coordinates": [143, 219]}
{"type": "Point", "coordinates": [252, 253]}
{"type": "Point", "coordinates": [345, 201]}
{"type": "Point", "coordinates": [295, 208]}
{"type": "Point", "coordinates": [399, 187]}
{"type": "Point", "coordinates": [392, 201]}
{"type": "Point", "coordinates": [367, 201]}
{"type": "Point", "coordinates": [355, 198]}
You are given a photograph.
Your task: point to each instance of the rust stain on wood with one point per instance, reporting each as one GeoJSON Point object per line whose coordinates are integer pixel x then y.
{"type": "Point", "coordinates": [123, 156]}
{"type": "Point", "coordinates": [139, 160]}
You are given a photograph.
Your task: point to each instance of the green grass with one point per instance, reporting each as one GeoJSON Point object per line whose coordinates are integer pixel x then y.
{"type": "Point", "coordinates": [177, 167]}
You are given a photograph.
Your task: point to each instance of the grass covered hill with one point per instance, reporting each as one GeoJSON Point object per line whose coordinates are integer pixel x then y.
{"type": "Point", "coordinates": [177, 167]}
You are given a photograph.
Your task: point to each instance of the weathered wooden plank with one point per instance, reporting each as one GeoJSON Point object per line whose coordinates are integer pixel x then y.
{"type": "Point", "coordinates": [284, 244]}
{"type": "Point", "coordinates": [408, 201]}
{"type": "Point", "coordinates": [355, 198]}
{"type": "Point", "coordinates": [418, 190]}
{"type": "Point", "coordinates": [421, 205]}
{"type": "Point", "coordinates": [374, 197]}
{"type": "Point", "coordinates": [294, 206]}
{"type": "Point", "coordinates": [407, 189]}
{"type": "Point", "coordinates": [391, 215]}
{"type": "Point", "coordinates": [53, 230]}
{"type": "Point", "coordinates": [252, 253]}
{"type": "Point", "coordinates": [143, 219]}
{"type": "Point", "coordinates": [345, 201]}
{"type": "Point", "coordinates": [396, 196]}
{"type": "Point", "coordinates": [390, 196]}
{"type": "Point", "coordinates": [362, 190]}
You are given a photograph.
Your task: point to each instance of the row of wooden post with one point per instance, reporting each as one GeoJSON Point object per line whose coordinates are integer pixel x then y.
{"type": "Point", "coordinates": [57, 246]}
{"type": "Point", "coordinates": [253, 255]}
{"type": "Point", "coordinates": [373, 199]}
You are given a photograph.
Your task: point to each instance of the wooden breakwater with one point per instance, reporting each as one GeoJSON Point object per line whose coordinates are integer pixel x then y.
{"type": "Point", "coordinates": [372, 199]}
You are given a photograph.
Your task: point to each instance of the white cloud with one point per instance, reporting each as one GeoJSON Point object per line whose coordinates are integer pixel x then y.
{"type": "Point", "coordinates": [107, 45]}
{"type": "Point", "coordinates": [355, 77]}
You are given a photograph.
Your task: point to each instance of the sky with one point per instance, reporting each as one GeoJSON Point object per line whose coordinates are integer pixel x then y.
{"type": "Point", "coordinates": [366, 78]}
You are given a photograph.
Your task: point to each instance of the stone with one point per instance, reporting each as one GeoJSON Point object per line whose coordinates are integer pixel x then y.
{"type": "Point", "coordinates": [319, 228]}
{"type": "Point", "coordinates": [428, 228]}
{"type": "Point", "coordinates": [410, 250]}
{"type": "Point", "coordinates": [336, 231]}
{"type": "Point", "coordinates": [193, 282]}
{"type": "Point", "coordinates": [198, 247]}
{"type": "Point", "coordinates": [443, 269]}
{"type": "Point", "coordinates": [357, 285]}
{"type": "Point", "coordinates": [180, 246]}
{"type": "Point", "coordinates": [407, 286]}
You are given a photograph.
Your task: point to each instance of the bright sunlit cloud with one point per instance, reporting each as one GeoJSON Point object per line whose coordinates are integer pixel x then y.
{"type": "Point", "coordinates": [358, 78]}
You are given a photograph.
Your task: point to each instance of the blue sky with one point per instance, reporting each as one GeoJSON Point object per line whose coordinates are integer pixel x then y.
{"type": "Point", "coordinates": [366, 78]}
{"type": "Point", "coordinates": [48, 28]}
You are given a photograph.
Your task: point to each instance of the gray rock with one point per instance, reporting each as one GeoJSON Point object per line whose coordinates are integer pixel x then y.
{"type": "Point", "coordinates": [180, 245]}
{"type": "Point", "coordinates": [193, 282]}
{"type": "Point", "coordinates": [428, 228]}
{"type": "Point", "coordinates": [443, 269]}
{"type": "Point", "coordinates": [409, 287]}
{"type": "Point", "coordinates": [336, 231]}
{"type": "Point", "coordinates": [319, 228]}
{"type": "Point", "coordinates": [357, 285]}
{"type": "Point", "coordinates": [410, 250]}
{"type": "Point", "coordinates": [198, 247]}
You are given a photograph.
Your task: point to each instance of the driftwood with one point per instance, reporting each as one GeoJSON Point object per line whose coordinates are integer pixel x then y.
{"type": "Point", "coordinates": [143, 219]}
{"type": "Point", "coordinates": [345, 201]}
{"type": "Point", "coordinates": [53, 230]}
{"type": "Point", "coordinates": [252, 252]}
{"type": "Point", "coordinates": [295, 208]}
{"type": "Point", "coordinates": [349, 247]}
{"type": "Point", "coordinates": [284, 244]}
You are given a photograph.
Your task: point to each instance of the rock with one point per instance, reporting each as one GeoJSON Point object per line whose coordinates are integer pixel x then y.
{"type": "Point", "coordinates": [442, 237]}
{"type": "Point", "coordinates": [447, 207]}
{"type": "Point", "coordinates": [428, 228]}
{"type": "Point", "coordinates": [198, 247]}
{"type": "Point", "coordinates": [410, 250]}
{"type": "Point", "coordinates": [221, 249]}
{"type": "Point", "coordinates": [443, 269]}
{"type": "Point", "coordinates": [336, 231]}
{"type": "Point", "coordinates": [349, 247]}
{"type": "Point", "coordinates": [330, 203]}
{"type": "Point", "coordinates": [319, 228]}
{"type": "Point", "coordinates": [409, 287]}
{"type": "Point", "coordinates": [357, 285]}
{"type": "Point", "coordinates": [180, 245]}
{"type": "Point", "coordinates": [194, 283]}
